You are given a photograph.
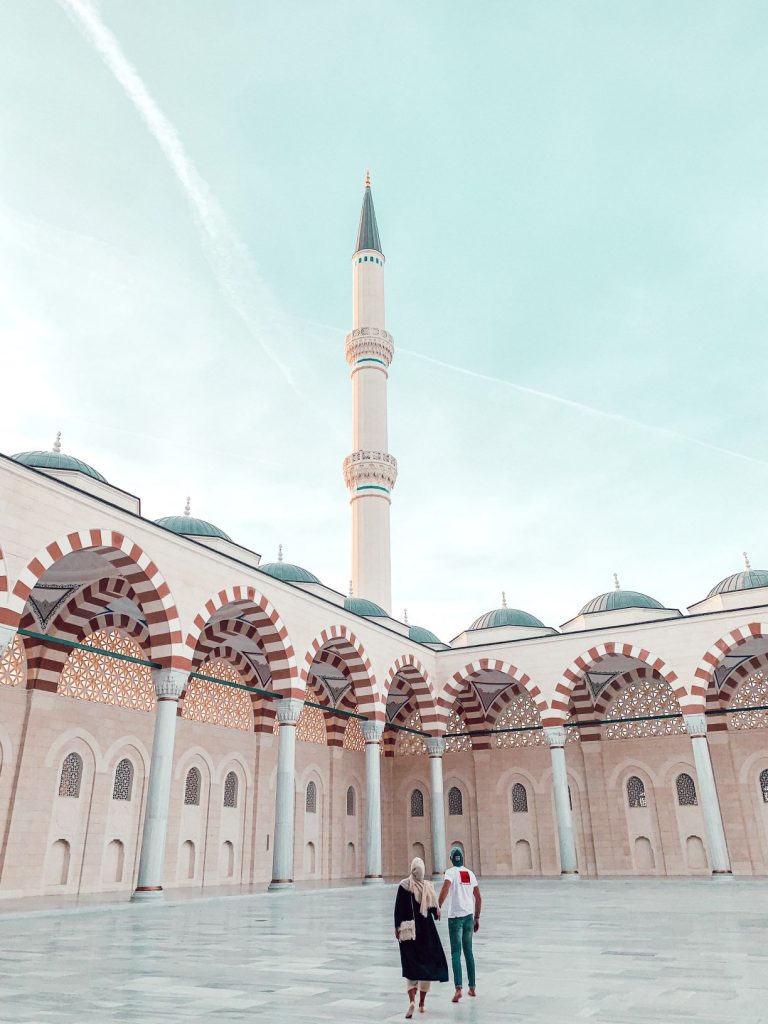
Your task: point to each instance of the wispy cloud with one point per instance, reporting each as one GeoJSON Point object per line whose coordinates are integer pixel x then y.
{"type": "Point", "coordinates": [230, 260]}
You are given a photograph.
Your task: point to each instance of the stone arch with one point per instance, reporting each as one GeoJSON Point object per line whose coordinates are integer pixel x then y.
{"type": "Point", "coordinates": [558, 710]}
{"type": "Point", "coordinates": [370, 701]}
{"type": "Point", "coordinates": [410, 668]}
{"type": "Point", "coordinates": [272, 633]}
{"type": "Point", "coordinates": [126, 559]}
{"type": "Point", "coordinates": [704, 675]}
{"type": "Point", "coordinates": [474, 713]}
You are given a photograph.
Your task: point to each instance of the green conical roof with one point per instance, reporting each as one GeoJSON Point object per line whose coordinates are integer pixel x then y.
{"type": "Point", "coordinates": [368, 231]}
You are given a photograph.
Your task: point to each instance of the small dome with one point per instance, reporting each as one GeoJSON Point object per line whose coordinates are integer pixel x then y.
{"type": "Point", "coordinates": [422, 636]}
{"type": "Point", "coordinates": [57, 460]}
{"type": "Point", "coordinates": [190, 526]}
{"type": "Point", "coordinates": [506, 617]}
{"type": "Point", "coordinates": [360, 606]}
{"type": "Point", "coordinates": [746, 580]}
{"type": "Point", "coordinates": [288, 573]}
{"type": "Point", "coordinates": [619, 599]}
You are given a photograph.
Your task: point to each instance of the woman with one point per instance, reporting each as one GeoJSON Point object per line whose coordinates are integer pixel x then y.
{"type": "Point", "coordinates": [422, 957]}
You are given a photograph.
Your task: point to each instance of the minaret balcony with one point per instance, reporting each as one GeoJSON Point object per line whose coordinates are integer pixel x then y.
{"type": "Point", "coordinates": [370, 469]}
{"type": "Point", "coordinates": [369, 345]}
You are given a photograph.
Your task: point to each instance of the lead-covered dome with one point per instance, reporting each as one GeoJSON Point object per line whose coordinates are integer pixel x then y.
{"type": "Point", "coordinates": [506, 617]}
{"type": "Point", "coordinates": [190, 526]}
{"type": "Point", "coordinates": [747, 579]}
{"type": "Point", "coordinates": [422, 636]}
{"type": "Point", "coordinates": [288, 572]}
{"type": "Point", "coordinates": [56, 459]}
{"type": "Point", "coordinates": [362, 606]}
{"type": "Point", "coordinates": [619, 598]}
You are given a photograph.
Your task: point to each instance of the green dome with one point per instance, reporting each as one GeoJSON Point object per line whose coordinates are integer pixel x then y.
{"type": "Point", "coordinates": [619, 599]}
{"type": "Point", "coordinates": [57, 460]}
{"type": "Point", "coordinates": [422, 636]}
{"type": "Point", "coordinates": [190, 526]}
{"type": "Point", "coordinates": [360, 606]}
{"type": "Point", "coordinates": [746, 580]}
{"type": "Point", "coordinates": [288, 573]}
{"type": "Point", "coordinates": [506, 617]}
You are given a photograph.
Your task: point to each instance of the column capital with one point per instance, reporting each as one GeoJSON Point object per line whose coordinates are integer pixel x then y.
{"type": "Point", "coordinates": [435, 745]}
{"type": "Point", "coordinates": [695, 725]}
{"type": "Point", "coordinates": [554, 735]}
{"type": "Point", "coordinates": [288, 710]}
{"type": "Point", "coordinates": [372, 730]}
{"type": "Point", "coordinates": [7, 633]}
{"type": "Point", "coordinates": [169, 682]}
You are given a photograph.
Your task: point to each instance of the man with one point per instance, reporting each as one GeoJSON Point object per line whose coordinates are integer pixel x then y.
{"type": "Point", "coordinates": [461, 890]}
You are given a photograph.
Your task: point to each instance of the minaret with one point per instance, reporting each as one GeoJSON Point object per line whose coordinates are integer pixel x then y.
{"type": "Point", "coordinates": [370, 471]}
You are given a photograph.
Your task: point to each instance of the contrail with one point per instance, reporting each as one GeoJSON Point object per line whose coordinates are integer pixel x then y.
{"type": "Point", "coordinates": [588, 409]}
{"type": "Point", "coordinates": [232, 264]}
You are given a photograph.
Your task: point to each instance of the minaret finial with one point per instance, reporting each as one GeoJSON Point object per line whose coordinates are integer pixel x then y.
{"type": "Point", "coordinates": [187, 509]}
{"type": "Point", "coordinates": [279, 552]}
{"type": "Point", "coordinates": [57, 443]}
{"type": "Point", "coordinates": [367, 179]}
{"type": "Point", "coordinates": [503, 599]}
{"type": "Point", "coordinates": [405, 616]}
{"type": "Point", "coordinates": [616, 583]}
{"type": "Point", "coordinates": [747, 566]}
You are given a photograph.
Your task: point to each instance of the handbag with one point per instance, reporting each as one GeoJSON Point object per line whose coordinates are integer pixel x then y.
{"type": "Point", "coordinates": [407, 930]}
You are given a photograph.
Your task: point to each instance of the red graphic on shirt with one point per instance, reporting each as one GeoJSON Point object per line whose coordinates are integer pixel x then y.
{"type": "Point", "coordinates": [464, 877]}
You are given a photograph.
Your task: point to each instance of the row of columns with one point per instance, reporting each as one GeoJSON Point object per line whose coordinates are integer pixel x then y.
{"type": "Point", "coordinates": [169, 685]}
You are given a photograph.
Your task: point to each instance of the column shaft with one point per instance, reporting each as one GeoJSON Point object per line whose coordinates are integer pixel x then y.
{"type": "Point", "coordinates": [288, 712]}
{"type": "Point", "coordinates": [436, 748]}
{"type": "Point", "coordinates": [372, 731]}
{"type": "Point", "coordinates": [568, 862]}
{"type": "Point", "coordinates": [710, 803]}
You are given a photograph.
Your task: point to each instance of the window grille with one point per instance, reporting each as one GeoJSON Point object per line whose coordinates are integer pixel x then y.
{"type": "Point", "coordinates": [123, 787]}
{"type": "Point", "coordinates": [455, 801]}
{"type": "Point", "coordinates": [350, 802]}
{"type": "Point", "coordinates": [71, 775]}
{"type": "Point", "coordinates": [311, 798]}
{"type": "Point", "coordinates": [519, 799]}
{"type": "Point", "coordinates": [636, 792]}
{"type": "Point", "coordinates": [192, 788]}
{"type": "Point", "coordinates": [230, 790]}
{"type": "Point", "coordinates": [686, 791]}
{"type": "Point", "coordinates": [764, 784]}
{"type": "Point", "coordinates": [417, 804]}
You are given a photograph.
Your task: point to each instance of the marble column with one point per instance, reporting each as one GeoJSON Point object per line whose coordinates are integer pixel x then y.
{"type": "Point", "coordinates": [696, 727]}
{"type": "Point", "coordinates": [555, 736]}
{"type": "Point", "coordinates": [169, 685]}
{"type": "Point", "coordinates": [288, 711]}
{"type": "Point", "coordinates": [372, 731]}
{"type": "Point", "coordinates": [436, 749]}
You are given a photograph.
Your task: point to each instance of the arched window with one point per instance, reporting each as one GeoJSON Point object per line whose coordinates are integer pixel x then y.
{"type": "Point", "coordinates": [230, 790]}
{"type": "Point", "coordinates": [417, 804]}
{"type": "Point", "coordinates": [71, 775]}
{"type": "Point", "coordinates": [519, 799]}
{"type": "Point", "coordinates": [192, 788]}
{"type": "Point", "coordinates": [636, 792]}
{"type": "Point", "coordinates": [311, 805]}
{"type": "Point", "coordinates": [350, 802]}
{"type": "Point", "coordinates": [686, 791]}
{"type": "Point", "coordinates": [455, 801]}
{"type": "Point", "coordinates": [123, 787]}
{"type": "Point", "coordinates": [764, 784]}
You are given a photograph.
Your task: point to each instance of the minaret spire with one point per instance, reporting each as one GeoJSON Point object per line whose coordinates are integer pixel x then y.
{"type": "Point", "coordinates": [369, 471]}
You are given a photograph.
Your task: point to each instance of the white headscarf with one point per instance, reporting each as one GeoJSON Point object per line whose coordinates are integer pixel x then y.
{"type": "Point", "coordinates": [422, 889]}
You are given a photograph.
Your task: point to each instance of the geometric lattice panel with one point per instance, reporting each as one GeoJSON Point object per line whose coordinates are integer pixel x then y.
{"type": "Point", "coordinates": [310, 727]}
{"type": "Point", "coordinates": [353, 736]}
{"type": "Point", "coordinates": [637, 699]}
{"type": "Point", "coordinates": [520, 713]}
{"type": "Point", "coordinates": [90, 676]}
{"type": "Point", "coordinates": [219, 705]}
{"type": "Point", "coordinates": [408, 744]}
{"type": "Point", "coordinates": [12, 663]}
{"type": "Point", "coordinates": [456, 723]}
{"type": "Point", "coordinates": [754, 690]}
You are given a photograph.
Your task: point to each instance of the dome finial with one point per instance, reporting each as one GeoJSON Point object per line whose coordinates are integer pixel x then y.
{"type": "Point", "coordinates": [351, 589]}
{"type": "Point", "coordinates": [747, 566]}
{"type": "Point", "coordinates": [279, 552]}
{"type": "Point", "coordinates": [616, 583]}
{"type": "Point", "coordinates": [367, 179]}
{"type": "Point", "coordinates": [405, 616]}
{"type": "Point", "coordinates": [57, 443]}
{"type": "Point", "coordinates": [503, 599]}
{"type": "Point", "coordinates": [187, 509]}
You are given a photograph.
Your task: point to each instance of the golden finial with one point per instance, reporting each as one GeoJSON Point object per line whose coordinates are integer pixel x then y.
{"type": "Point", "coordinates": [616, 583]}
{"type": "Point", "coordinates": [187, 510]}
{"type": "Point", "coordinates": [747, 566]}
{"type": "Point", "coordinates": [367, 179]}
{"type": "Point", "coordinates": [57, 443]}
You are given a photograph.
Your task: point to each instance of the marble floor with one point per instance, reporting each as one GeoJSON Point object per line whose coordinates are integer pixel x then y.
{"type": "Point", "coordinates": [612, 952]}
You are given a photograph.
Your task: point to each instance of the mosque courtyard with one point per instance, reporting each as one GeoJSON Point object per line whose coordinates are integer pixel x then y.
{"type": "Point", "coordinates": [556, 951]}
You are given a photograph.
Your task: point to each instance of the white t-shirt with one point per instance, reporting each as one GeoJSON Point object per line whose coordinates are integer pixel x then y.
{"type": "Point", "coordinates": [461, 899]}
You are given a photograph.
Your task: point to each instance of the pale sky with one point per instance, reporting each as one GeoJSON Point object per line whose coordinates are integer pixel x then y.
{"type": "Point", "coordinates": [572, 198]}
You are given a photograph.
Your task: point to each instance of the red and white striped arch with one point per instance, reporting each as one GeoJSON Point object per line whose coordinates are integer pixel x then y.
{"type": "Point", "coordinates": [3, 581]}
{"type": "Point", "coordinates": [515, 690]}
{"type": "Point", "coordinates": [474, 713]}
{"type": "Point", "coordinates": [558, 711]}
{"type": "Point", "coordinates": [614, 688]}
{"type": "Point", "coordinates": [413, 672]}
{"type": "Point", "coordinates": [704, 676]}
{"type": "Point", "coordinates": [370, 702]}
{"type": "Point", "coordinates": [222, 631]}
{"type": "Point", "coordinates": [272, 633]}
{"type": "Point", "coordinates": [723, 697]}
{"type": "Point", "coordinates": [127, 559]}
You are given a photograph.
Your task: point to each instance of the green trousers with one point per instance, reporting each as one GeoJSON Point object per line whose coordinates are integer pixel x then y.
{"type": "Point", "coordinates": [460, 932]}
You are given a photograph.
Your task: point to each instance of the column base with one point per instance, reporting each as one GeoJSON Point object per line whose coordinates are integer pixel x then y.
{"type": "Point", "coordinates": [722, 876]}
{"type": "Point", "coordinates": [373, 880]}
{"type": "Point", "coordinates": [438, 876]}
{"type": "Point", "coordinates": [148, 894]}
{"type": "Point", "coordinates": [570, 876]}
{"type": "Point", "coordinates": [281, 884]}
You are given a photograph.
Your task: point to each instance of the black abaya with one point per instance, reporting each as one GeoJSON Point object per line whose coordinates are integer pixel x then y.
{"type": "Point", "coordinates": [422, 958]}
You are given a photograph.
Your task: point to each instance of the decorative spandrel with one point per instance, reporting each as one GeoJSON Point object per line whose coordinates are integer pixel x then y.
{"type": "Point", "coordinates": [13, 663]}
{"type": "Point", "coordinates": [639, 699]}
{"type": "Point", "coordinates": [456, 724]}
{"type": "Point", "coordinates": [520, 713]}
{"type": "Point", "coordinates": [90, 676]}
{"type": "Point", "coordinates": [353, 736]}
{"type": "Point", "coordinates": [753, 692]}
{"type": "Point", "coordinates": [410, 744]}
{"type": "Point", "coordinates": [310, 727]}
{"type": "Point", "coordinates": [216, 704]}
